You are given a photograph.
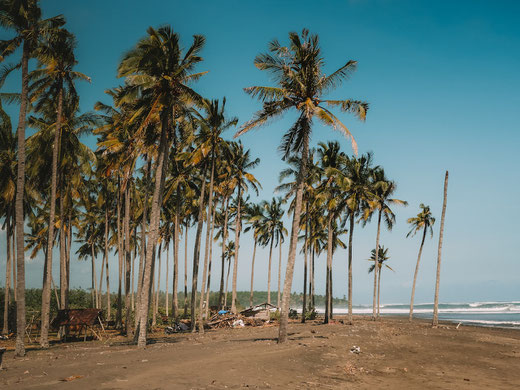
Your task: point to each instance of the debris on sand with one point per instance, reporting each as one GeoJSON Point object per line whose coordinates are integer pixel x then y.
{"type": "Point", "coordinates": [355, 349]}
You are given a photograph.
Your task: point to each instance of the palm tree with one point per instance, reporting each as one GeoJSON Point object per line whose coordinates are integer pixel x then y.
{"type": "Point", "coordinates": [24, 17]}
{"type": "Point", "coordinates": [254, 215]}
{"type": "Point", "coordinates": [54, 74]}
{"type": "Point", "coordinates": [425, 221]}
{"type": "Point", "coordinates": [241, 178]}
{"type": "Point", "coordinates": [379, 258]}
{"type": "Point", "coordinates": [435, 320]}
{"type": "Point", "coordinates": [297, 69]}
{"type": "Point", "coordinates": [357, 195]}
{"type": "Point", "coordinates": [159, 70]}
{"type": "Point", "coordinates": [382, 189]}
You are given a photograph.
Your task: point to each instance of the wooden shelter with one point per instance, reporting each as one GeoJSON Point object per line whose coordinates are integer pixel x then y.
{"type": "Point", "coordinates": [80, 320]}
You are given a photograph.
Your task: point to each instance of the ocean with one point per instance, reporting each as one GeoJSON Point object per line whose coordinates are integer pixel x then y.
{"type": "Point", "coordinates": [495, 314]}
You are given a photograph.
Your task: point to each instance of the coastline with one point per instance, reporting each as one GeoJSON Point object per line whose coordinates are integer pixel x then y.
{"type": "Point", "coordinates": [394, 353]}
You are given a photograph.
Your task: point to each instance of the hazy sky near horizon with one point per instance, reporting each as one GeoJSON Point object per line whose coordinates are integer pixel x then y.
{"type": "Point", "coordinates": [443, 85]}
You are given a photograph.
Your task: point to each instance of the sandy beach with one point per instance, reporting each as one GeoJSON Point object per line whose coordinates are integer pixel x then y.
{"type": "Point", "coordinates": [393, 354]}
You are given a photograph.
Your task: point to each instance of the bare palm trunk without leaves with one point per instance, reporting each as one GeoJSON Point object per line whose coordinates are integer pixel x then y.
{"type": "Point", "coordinates": [289, 271]}
{"type": "Point", "coordinates": [351, 232]}
{"type": "Point", "coordinates": [415, 274]}
{"type": "Point", "coordinates": [252, 274]}
{"type": "Point", "coordinates": [153, 235]}
{"type": "Point", "coordinates": [238, 227]}
{"type": "Point", "coordinates": [279, 271]}
{"type": "Point", "coordinates": [327, 273]}
{"type": "Point", "coordinates": [224, 238]}
{"type": "Point", "coordinates": [210, 260]}
{"type": "Point", "coordinates": [46, 291]}
{"type": "Point", "coordinates": [128, 258]}
{"type": "Point", "coordinates": [7, 292]}
{"type": "Point", "coordinates": [435, 321]}
{"type": "Point", "coordinates": [305, 261]}
{"type": "Point", "coordinates": [206, 248]}
{"type": "Point", "coordinates": [109, 309]}
{"type": "Point", "coordinates": [19, 213]}
{"type": "Point", "coordinates": [176, 238]}
{"type": "Point", "coordinates": [269, 271]}
{"type": "Point", "coordinates": [379, 289]}
{"type": "Point", "coordinates": [186, 270]}
{"type": "Point", "coordinates": [196, 253]}
{"type": "Point", "coordinates": [166, 304]}
{"type": "Point", "coordinates": [376, 266]}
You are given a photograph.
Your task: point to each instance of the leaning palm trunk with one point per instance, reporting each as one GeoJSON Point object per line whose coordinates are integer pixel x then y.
{"type": "Point", "coordinates": [329, 265]}
{"type": "Point", "coordinates": [224, 238]}
{"type": "Point", "coordinates": [5, 327]}
{"type": "Point", "coordinates": [415, 274]}
{"type": "Point", "coordinates": [238, 227]}
{"type": "Point", "coordinates": [46, 292]}
{"type": "Point", "coordinates": [206, 248]}
{"type": "Point", "coordinates": [289, 271]}
{"type": "Point", "coordinates": [376, 267]}
{"type": "Point", "coordinates": [435, 321]}
{"type": "Point", "coordinates": [252, 274]}
{"type": "Point", "coordinates": [19, 213]}
{"type": "Point", "coordinates": [350, 268]}
{"type": "Point", "coordinates": [144, 298]}
{"type": "Point", "coordinates": [196, 252]}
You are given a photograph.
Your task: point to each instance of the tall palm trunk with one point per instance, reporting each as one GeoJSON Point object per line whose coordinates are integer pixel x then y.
{"type": "Point", "coordinates": [224, 239]}
{"type": "Point", "coordinates": [252, 274]}
{"type": "Point", "coordinates": [269, 271]}
{"type": "Point", "coordinates": [279, 271]}
{"type": "Point", "coordinates": [166, 304]}
{"type": "Point", "coordinates": [210, 260]}
{"type": "Point", "coordinates": [305, 261]}
{"type": "Point", "coordinates": [176, 238]}
{"type": "Point", "coordinates": [46, 291]}
{"type": "Point", "coordinates": [435, 320]}
{"type": "Point", "coordinates": [376, 266]}
{"type": "Point", "coordinates": [94, 281]}
{"type": "Point", "coordinates": [329, 265]}
{"type": "Point", "coordinates": [379, 289]}
{"type": "Point", "coordinates": [7, 291]}
{"type": "Point", "coordinates": [19, 213]}
{"type": "Point", "coordinates": [106, 265]}
{"type": "Point", "coordinates": [155, 307]}
{"type": "Point", "coordinates": [313, 302]}
{"type": "Point", "coordinates": [351, 233]}
{"type": "Point", "coordinates": [120, 256]}
{"type": "Point", "coordinates": [144, 221]}
{"type": "Point", "coordinates": [144, 299]}
{"type": "Point", "coordinates": [63, 254]}
{"type": "Point", "coordinates": [186, 270]}
{"type": "Point", "coordinates": [227, 282]}
{"type": "Point", "coordinates": [196, 252]}
{"type": "Point", "coordinates": [133, 269]}
{"type": "Point", "coordinates": [128, 258]}
{"type": "Point", "coordinates": [289, 271]}
{"type": "Point", "coordinates": [415, 274]}
{"type": "Point", "coordinates": [238, 227]}
{"type": "Point", "coordinates": [207, 245]}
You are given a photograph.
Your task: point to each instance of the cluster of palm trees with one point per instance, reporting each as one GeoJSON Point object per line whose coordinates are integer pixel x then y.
{"type": "Point", "coordinates": [163, 168]}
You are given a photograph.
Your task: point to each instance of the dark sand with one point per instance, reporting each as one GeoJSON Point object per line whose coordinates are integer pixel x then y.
{"type": "Point", "coordinates": [394, 355]}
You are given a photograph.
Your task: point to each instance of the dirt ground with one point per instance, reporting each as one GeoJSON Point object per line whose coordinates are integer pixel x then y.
{"type": "Point", "coordinates": [394, 354]}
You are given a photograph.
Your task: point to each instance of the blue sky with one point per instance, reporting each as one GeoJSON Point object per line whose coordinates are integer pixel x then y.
{"type": "Point", "coordinates": [442, 81]}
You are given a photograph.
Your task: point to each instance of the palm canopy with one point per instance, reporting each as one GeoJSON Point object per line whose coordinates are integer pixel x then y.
{"type": "Point", "coordinates": [382, 189]}
{"type": "Point", "coordinates": [423, 220]}
{"type": "Point", "coordinates": [297, 70]}
{"type": "Point", "coordinates": [382, 257]}
{"type": "Point", "coordinates": [271, 224]}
